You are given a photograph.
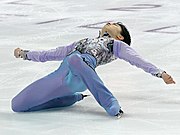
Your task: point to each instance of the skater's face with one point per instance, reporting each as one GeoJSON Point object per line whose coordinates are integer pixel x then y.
{"type": "Point", "coordinates": [113, 30]}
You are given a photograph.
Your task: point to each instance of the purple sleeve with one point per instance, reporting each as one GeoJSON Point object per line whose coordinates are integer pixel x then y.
{"type": "Point", "coordinates": [50, 55]}
{"type": "Point", "coordinates": [123, 51]}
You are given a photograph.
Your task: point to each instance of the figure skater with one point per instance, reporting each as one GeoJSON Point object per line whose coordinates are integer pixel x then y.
{"type": "Point", "coordinates": [77, 73]}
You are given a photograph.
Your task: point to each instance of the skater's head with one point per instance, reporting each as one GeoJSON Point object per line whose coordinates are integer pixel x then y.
{"type": "Point", "coordinates": [117, 31]}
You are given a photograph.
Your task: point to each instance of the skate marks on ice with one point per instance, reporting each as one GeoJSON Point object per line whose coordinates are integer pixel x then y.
{"type": "Point", "coordinates": [136, 7]}
{"type": "Point", "coordinates": [19, 2]}
{"type": "Point", "coordinates": [5, 14]}
{"type": "Point", "coordinates": [51, 21]}
{"type": "Point", "coordinates": [38, 8]}
{"type": "Point", "coordinates": [172, 29]}
{"type": "Point", "coordinates": [97, 25]}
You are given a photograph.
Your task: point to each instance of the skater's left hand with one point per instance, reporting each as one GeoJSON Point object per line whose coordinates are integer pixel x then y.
{"type": "Point", "coordinates": [18, 53]}
{"type": "Point", "coordinates": [167, 79]}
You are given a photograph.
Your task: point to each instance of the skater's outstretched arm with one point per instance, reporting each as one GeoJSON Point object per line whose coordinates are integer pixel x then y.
{"type": "Point", "coordinates": [127, 53]}
{"type": "Point", "coordinates": [43, 56]}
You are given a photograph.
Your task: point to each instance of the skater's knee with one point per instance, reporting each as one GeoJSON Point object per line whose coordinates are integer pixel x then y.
{"type": "Point", "coordinates": [16, 106]}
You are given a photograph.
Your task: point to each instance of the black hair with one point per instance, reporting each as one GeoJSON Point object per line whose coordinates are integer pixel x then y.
{"type": "Point", "coordinates": [125, 34]}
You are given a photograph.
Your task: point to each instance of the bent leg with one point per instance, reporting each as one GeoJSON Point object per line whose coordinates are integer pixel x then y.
{"type": "Point", "coordinates": [41, 91]}
{"type": "Point", "coordinates": [92, 81]}
{"type": "Point", "coordinates": [58, 102]}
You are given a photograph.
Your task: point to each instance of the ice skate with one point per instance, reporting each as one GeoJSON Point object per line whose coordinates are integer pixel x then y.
{"type": "Point", "coordinates": [83, 96]}
{"type": "Point", "coordinates": [119, 115]}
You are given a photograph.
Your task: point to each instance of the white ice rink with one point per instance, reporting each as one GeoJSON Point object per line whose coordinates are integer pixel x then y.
{"type": "Point", "coordinates": [151, 107]}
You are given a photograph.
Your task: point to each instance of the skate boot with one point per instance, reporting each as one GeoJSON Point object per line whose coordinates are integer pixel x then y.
{"type": "Point", "coordinates": [83, 96]}
{"type": "Point", "coordinates": [119, 115]}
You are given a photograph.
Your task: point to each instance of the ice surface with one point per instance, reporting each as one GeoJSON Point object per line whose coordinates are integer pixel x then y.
{"type": "Point", "coordinates": [150, 106]}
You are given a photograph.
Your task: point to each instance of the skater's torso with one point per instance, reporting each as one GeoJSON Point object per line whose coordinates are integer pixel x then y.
{"type": "Point", "coordinates": [100, 48]}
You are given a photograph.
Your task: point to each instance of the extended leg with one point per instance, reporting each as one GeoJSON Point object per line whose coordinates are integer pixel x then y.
{"type": "Point", "coordinates": [46, 92]}
{"type": "Point", "coordinates": [92, 81]}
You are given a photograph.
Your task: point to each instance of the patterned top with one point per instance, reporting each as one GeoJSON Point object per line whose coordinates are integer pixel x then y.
{"type": "Point", "coordinates": [100, 48]}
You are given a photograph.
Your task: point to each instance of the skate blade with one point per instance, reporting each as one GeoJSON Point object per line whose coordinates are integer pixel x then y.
{"type": "Point", "coordinates": [119, 116]}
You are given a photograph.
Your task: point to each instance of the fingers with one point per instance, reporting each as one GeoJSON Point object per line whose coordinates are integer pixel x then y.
{"type": "Point", "coordinates": [170, 80]}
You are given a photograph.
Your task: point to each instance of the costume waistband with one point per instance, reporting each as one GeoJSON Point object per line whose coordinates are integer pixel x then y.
{"type": "Point", "coordinates": [87, 58]}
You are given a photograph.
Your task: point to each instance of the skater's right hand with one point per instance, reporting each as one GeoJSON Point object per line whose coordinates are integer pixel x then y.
{"type": "Point", "coordinates": [18, 53]}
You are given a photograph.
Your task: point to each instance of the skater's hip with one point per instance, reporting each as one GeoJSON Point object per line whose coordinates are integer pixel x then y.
{"type": "Point", "coordinates": [87, 58]}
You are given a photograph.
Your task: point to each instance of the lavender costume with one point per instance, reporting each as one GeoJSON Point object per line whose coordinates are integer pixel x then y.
{"type": "Point", "coordinates": [76, 74]}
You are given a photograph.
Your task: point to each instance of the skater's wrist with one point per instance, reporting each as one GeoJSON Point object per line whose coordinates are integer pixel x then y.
{"type": "Point", "coordinates": [159, 73]}
{"type": "Point", "coordinates": [24, 55]}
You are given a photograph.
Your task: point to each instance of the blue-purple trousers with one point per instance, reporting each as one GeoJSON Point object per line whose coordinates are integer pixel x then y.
{"type": "Point", "coordinates": [62, 87]}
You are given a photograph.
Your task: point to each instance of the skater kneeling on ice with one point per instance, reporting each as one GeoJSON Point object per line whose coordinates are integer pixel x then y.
{"type": "Point", "coordinates": [77, 73]}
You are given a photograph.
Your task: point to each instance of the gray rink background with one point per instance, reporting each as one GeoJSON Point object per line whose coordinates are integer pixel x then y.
{"type": "Point", "coordinates": [151, 106]}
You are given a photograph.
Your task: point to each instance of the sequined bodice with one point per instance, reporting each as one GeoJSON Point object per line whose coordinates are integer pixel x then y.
{"type": "Point", "coordinates": [100, 48]}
